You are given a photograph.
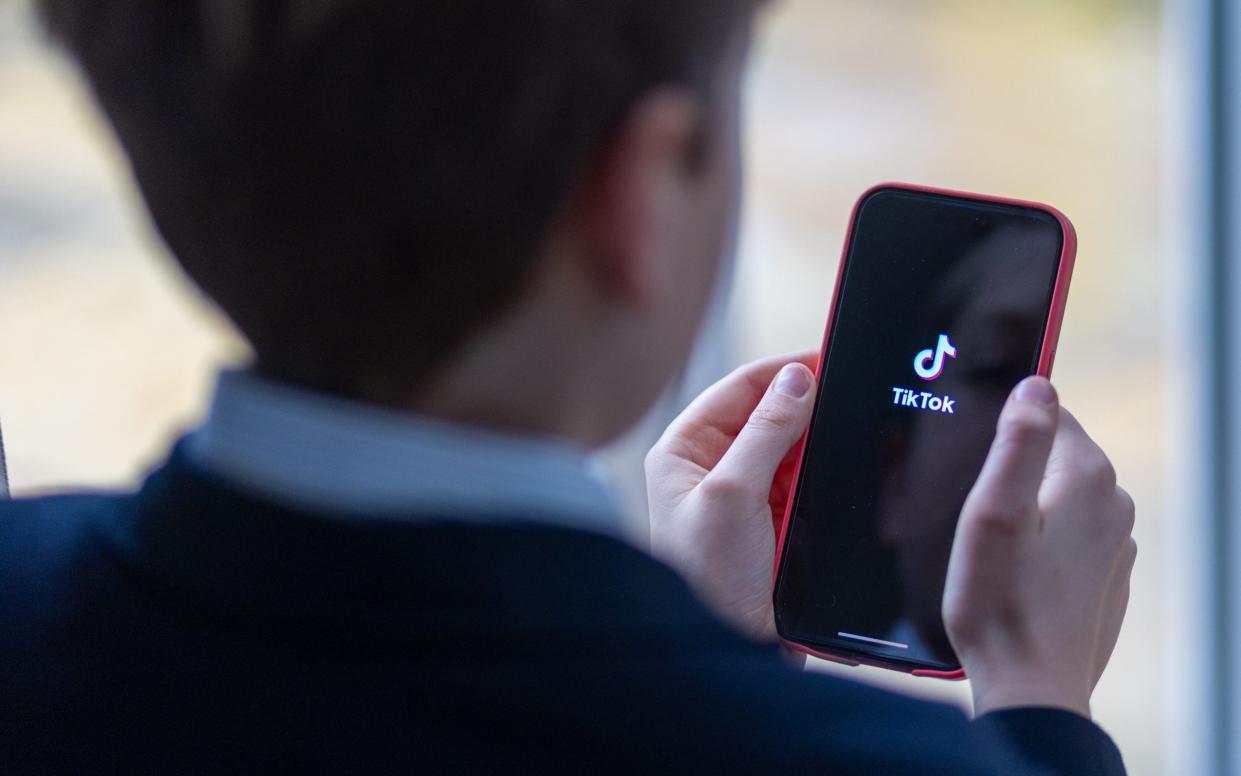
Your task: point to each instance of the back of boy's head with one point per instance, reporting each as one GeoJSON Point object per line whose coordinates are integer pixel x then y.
{"type": "Point", "coordinates": [362, 184]}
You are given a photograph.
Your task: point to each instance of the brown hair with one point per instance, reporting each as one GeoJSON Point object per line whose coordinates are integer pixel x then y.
{"type": "Point", "coordinates": [360, 184]}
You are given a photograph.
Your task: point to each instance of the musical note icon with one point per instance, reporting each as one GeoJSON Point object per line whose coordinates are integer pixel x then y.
{"type": "Point", "coordinates": [929, 364]}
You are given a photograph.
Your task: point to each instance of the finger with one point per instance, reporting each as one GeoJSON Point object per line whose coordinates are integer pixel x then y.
{"type": "Point", "coordinates": [795, 659]}
{"type": "Point", "coordinates": [1116, 604]}
{"type": "Point", "coordinates": [1126, 511]}
{"type": "Point", "coordinates": [724, 408]}
{"type": "Point", "coordinates": [778, 421]}
{"type": "Point", "coordinates": [1007, 488]}
{"type": "Point", "coordinates": [1075, 452]}
{"type": "Point", "coordinates": [1109, 635]}
{"type": "Point", "coordinates": [782, 483]}
{"type": "Point", "coordinates": [729, 402]}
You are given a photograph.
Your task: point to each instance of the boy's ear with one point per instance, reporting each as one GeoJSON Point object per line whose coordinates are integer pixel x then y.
{"type": "Point", "coordinates": [636, 193]}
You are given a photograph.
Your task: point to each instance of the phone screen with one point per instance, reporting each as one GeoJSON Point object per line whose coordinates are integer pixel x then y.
{"type": "Point", "coordinates": [942, 310]}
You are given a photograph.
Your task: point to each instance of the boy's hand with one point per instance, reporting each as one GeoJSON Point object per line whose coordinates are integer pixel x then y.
{"type": "Point", "coordinates": [1039, 577]}
{"type": "Point", "coordinates": [1038, 583]}
{"type": "Point", "coordinates": [719, 478]}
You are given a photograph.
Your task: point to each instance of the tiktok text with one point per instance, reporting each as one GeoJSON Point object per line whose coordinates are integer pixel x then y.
{"type": "Point", "coordinates": [921, 400]}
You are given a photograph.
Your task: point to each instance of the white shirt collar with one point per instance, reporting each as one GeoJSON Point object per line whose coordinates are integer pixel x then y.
{"type": "Point", "coordinates": [331, 455]}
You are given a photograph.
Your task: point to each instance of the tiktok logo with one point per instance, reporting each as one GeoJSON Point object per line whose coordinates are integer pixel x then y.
{"type": "Point", "coordinates": [929, 364]}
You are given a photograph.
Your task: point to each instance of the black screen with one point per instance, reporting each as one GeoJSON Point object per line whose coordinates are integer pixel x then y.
{"type": "Point", "coordinates": [942, 311]}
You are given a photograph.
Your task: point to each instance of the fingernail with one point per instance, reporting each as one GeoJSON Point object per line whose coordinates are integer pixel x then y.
{"type": "Point", "coordinates": [794, 380]}
{"type": "Point", "coordinates": [1036, 390]}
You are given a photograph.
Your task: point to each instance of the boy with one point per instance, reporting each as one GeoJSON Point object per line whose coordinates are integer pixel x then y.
{"type": "Point", "coordinates": [468, 241]}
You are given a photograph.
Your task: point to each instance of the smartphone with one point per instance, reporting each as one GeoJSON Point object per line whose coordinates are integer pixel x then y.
{"type": "Point", "coordinates": [944, 302]}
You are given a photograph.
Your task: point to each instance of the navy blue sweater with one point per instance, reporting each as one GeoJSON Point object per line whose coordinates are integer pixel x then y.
{"type": "Point", "coordinates": [191, 628]}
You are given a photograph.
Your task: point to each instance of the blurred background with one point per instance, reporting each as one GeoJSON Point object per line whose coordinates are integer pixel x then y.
{"type": "Point", "coordinates": [107, 353]}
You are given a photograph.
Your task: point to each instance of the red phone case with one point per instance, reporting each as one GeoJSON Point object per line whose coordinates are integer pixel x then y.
{"type": "Point", "coordinates": [1047, 357]}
